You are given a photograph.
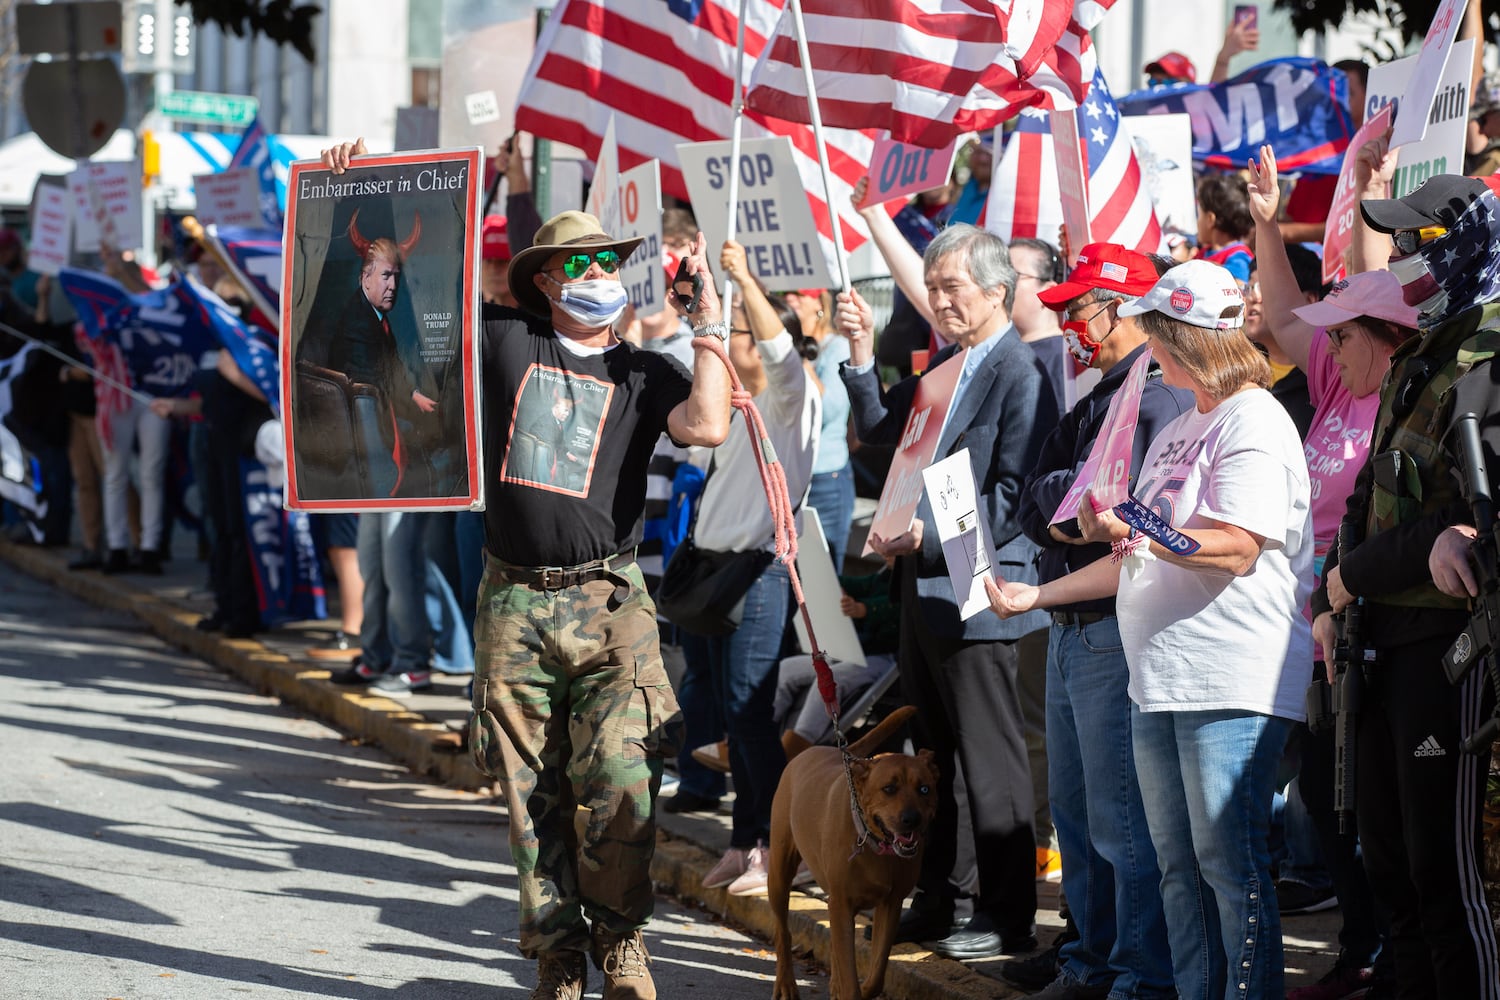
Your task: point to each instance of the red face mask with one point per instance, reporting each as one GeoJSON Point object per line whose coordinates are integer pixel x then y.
{"type": "Point", "coordinates": [1076, 335]}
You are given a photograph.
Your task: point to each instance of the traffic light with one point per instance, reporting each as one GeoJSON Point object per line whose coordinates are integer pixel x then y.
{"type": "Point", "coordinates": [158, 37]}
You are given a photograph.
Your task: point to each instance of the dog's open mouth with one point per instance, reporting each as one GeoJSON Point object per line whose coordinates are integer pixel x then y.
{"type": "Point", "coordinates": [905, 845]}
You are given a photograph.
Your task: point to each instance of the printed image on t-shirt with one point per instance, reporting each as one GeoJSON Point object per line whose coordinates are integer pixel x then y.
{"type": "Point", "coordinates": [555, 430]}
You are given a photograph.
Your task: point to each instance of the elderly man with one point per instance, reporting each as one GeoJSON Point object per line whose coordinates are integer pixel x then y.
{"type": "Point", "coordinates": [1109, 866]}
{"type": "Point", "coordinates": [978, 888]}
{"type": "Point", "coordinates": [573, 712]}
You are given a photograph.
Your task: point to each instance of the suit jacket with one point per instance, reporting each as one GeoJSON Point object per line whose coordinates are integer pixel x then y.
{"type": "Point", "coordinates": [1004, 414]}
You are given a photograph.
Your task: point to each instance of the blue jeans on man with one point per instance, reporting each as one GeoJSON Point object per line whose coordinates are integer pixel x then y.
{"type": "Point", "coordinates": [1109, 865]}
{"type": "Point", "coordinates": [397, 633]}
{"type": "Point", "coordinates": [1207, 778]}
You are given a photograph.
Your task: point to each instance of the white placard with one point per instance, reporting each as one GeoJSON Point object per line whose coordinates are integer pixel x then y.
{"type": "Point", "coordinates": [482, 107]}
{"type": "Point", "coordinates": [603, 202]}
{"type": "Point", "coordinates": [963, 530]}
{"type": "Point", "coordinates": [1441, 151]}
{"type": "Point", "coordinates": [1071, 160]}
{"type": "Point", "coordinates": [229, 198]}
{"type": "Point", "coordinates": [820, 585]}
{"type": "Point", "coordinates": [1428, 77]}
{"type": "Point", "coordinates": [774, 220]}
{"type": "Point", "coordinates": [1164, 147]}
{"type": "Point", "coordinates": [50, 226]}
{"type": "Point", "coordinates": [116, 193]}
{"type": "Point", "coordinates": [640, 215]}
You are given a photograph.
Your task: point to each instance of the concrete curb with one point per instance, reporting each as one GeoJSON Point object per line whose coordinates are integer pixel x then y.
{"type": "Point", "coordinates": [409, 737]}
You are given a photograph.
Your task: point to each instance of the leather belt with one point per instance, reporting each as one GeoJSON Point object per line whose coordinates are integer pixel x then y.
{"type": "Point", "coordinates": [1069, 618]}
{"type": "Point", "coordinates": [563, 577]}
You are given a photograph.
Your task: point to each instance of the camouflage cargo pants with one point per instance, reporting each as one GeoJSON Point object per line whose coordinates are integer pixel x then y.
{"type": "Point", "coordinates": [574, 715]}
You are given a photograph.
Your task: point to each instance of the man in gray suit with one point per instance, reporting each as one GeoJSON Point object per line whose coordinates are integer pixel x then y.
{"type": "Point", "coordinates": [977, 895]}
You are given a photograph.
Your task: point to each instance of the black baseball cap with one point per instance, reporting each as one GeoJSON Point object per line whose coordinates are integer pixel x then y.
{"type": "Point", "coordinates": [1440, 201]}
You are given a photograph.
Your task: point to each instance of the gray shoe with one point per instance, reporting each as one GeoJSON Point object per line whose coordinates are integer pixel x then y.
{"type": "Point", "coordinates": [560, 975]}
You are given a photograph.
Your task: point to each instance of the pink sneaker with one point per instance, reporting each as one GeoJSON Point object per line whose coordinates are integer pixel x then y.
{"type": "Point", "coordinates": [730, 867]}
{"type": "Point", "coordinates": [752, 882]}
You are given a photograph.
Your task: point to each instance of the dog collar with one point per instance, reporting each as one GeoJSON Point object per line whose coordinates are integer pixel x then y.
{"type": "Point", "coordinates": [863, 835]}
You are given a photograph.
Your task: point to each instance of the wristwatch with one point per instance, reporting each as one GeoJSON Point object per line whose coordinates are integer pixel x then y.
{"type": "Point", "coordinates": [719, 329]}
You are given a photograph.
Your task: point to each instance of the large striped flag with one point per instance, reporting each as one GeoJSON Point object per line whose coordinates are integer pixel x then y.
{"type": "Point", "coordinates": [928, 70]}
{"type": "Point", "coordinates": [665, 70]}
{"type": "Point", "coordinates": [1024, 198]}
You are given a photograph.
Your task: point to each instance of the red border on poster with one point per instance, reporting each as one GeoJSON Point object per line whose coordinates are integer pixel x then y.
{"type": "Point", "coordinates": [466, 245]}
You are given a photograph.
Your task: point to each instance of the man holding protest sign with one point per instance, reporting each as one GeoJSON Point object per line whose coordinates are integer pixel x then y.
{"type": "Point", "coordinates": [1109, 866]}
{"type": "Point", "coordinates": [962, 674]}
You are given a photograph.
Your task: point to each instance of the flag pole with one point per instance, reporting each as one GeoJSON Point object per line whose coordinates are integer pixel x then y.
{"type": "Point", "coordinates": [735, 132]}
{"type": "Point", "coordinates": [816, 117]}
{"type": "Point", "coordinates": [59, 355]}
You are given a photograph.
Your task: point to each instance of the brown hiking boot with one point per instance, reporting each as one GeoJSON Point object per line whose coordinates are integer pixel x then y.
{"type": "Point", "coordinates": [624, 961]}
{"type": "Point", "coordinates": [560, 975]}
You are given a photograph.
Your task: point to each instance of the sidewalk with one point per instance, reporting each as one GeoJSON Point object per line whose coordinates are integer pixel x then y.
{"type": "Point", "coordinates": [421, 732]}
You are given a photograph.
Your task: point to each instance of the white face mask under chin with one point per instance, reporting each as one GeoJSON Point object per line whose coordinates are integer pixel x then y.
{"type": "Point", "coordinates": [596, 303]}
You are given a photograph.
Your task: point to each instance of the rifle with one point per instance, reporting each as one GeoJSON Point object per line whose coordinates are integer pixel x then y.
{"type": "Point", "coordinates": [1351, 663]}
{"type": "Point", "coordinates": [1477, 643]}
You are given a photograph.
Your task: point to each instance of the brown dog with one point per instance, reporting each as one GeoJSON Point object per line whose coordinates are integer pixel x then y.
{"type": "Point", "coordinates": [812, 820]}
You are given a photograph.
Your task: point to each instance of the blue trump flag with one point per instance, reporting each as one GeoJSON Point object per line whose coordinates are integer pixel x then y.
{"type": "Point", "coordinates": [255, 256]}
{"type": "Point", "coordinates": [288, 579]}
{"type": "Point", "coordinates": [253, 349]}
{"type": "Point", "coordinates": [1300, 106]}
{"type": "Point", "coordinates": [162, 334]}
{"type": "Point", "coordinates": [254, 151]}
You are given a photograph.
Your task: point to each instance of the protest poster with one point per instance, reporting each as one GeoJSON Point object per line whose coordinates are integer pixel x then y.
{"type": "Point", "coordinates": [378, 349]}
{"type": "Point", "coordinates": [1338, 231]}
{"type": "Point", "coordinates": [229, 198]}
{"type": "Point", "coordinates": [1427, 75]}
{"type": "Point", "coordinates": [1072, 177]}
{"type": "Point", "coordinates": [1441, 150]}
{"type": "Point", "coordinates": [1164, 148]}
{"type": "Point", "coordinates": [640, 216]}
{"type": "Point", "coordinates": [603, 202]}
{"type": "Point", "coordinates": [963, 530]}
{"type": "Point", "coordinates": [106, 204]}
{"type": "Point", "coordinates": [900, 170]}
{"type": "Point", "coordinates": [916, 449]}
{"type": "Point", "coordinates": [1106, 472]}
{"type": "Point", "coordinates": [50, 222]}
{"type": "Point", "coordinates": [1298, 105]}
{"type": "Point", "coordinates": [820, 585]}
{"type": "Point", "coordinates": [774, 221]}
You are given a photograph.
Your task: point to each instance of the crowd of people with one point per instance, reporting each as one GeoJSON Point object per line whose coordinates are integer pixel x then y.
{"type": "Point", "coordinates": [1132, 703]}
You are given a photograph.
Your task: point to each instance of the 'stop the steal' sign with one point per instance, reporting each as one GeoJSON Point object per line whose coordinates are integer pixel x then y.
{"type": "Point", "coordinates": [773, 219]}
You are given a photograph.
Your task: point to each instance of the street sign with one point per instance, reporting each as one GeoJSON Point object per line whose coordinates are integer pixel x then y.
{"type": "Point", "coordinates": [42, 29]}
{"type": "Point", "coordinates": [74, 105]}
{"type": "Point", "coordinates": [210, 109]}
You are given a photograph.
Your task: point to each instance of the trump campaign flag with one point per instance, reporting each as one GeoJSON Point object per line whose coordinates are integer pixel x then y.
{"type": "Point", "coordinates": [925, 70]}
{"type": "Point", "coordinates": [254, 151]}
{"type": "Point", "coordinates": [1024, 195]}
{"type": "Point", "coordinates": [255, 351]}
{"type": "Point", "coordinates": [665, 70]}
{"type": "Point", "coordinates": [254, 255]}
{"type": "Point", "coordinates": [1299, 106]}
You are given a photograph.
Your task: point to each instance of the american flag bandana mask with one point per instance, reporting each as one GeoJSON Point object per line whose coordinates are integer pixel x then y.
{"type": "Point", "coordinates": [1462, 268]}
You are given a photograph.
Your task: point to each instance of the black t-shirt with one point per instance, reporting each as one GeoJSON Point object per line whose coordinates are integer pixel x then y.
{"type": "Point", "coordinates": [567, 442]}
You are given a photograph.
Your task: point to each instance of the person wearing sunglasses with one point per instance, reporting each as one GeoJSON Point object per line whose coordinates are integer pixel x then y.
{"type": "Point", "coordinates": [572, 709]}
{"type": "Point", "coordinates": [1419, 795]}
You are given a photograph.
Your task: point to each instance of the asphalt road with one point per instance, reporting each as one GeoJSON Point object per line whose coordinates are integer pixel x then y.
{"type": "Point", "coordinates": [166, 833]}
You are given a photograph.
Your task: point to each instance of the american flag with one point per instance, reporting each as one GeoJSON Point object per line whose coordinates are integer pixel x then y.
{"type": "Point", "coordinates": [665, 70]}
{"type": "Point", "coordinates": [927, 70]}
{"type": "Point", "coordinates": [1460, 262]}
{"type": "Point", "coordinates": [1024, 198]}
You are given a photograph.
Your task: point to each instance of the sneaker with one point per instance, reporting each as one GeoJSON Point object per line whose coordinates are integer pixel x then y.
{"type": "Point", "coordinates": [1063, 988]}
{"type": "Point", "coordinates": [714, 756]}
{"type": "Point", "coordinates": [150, 562]}
{"type": "Point", "coordinates": [402, 683]}
{"type": "Point", "coordinates": [343, 647]}
{"type": "Point", "coordinates": [1293, 898]}
{"type": "Point", "coordinates": [560, 975]}
{"type": "Point", "coordinates": [730, 867]}
{"type": "Point", "coordinates": [1343, 980]}
{"type": "Point", "coordinates": [359, 672]}
{"type": "Point", "coordinates": [87, 559]}
{"type": "Point", "coordinates": [752, 881]}
{"type": "Point", "coordinates": [626, 965]}
{"type": "Point", "coordinates": [1048, 865]}
{"type": "Point", "coordinates": [117, 561]}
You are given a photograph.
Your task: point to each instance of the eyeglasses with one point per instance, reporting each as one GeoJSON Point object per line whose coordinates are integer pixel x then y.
{"type": "Point", "coordinates": [1339, 335]}
{"type": "Point", "coordinates": [1073, 314]}
{"type": "Point", "coordinates": [578, 264]}
{"type": "Point", "coordinates": [1408, 240]}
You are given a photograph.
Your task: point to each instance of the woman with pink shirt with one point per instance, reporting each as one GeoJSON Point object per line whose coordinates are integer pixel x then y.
{"type": "Point", "coordinates": [1344, 345]}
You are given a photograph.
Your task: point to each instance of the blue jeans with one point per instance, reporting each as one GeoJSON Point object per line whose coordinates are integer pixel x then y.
{"type": "Point", "coordinates": [1109, 865]}
{"type": "Point", "coordinates": [831, 494]}
{"type": "Point", "coordinates": [452, 625]}
{"type": "Point", "coordinates": [1206, 780]}
{"type": "Point", "coordinates": [397, 633]}
{"type": "Point", "coordinates": [742, 668]}
{"type": "Point", "coordinates": [702, 720]}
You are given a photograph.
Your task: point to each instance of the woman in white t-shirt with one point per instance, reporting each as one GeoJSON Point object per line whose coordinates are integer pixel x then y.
{"type": "Point", "coordinates": [1218, 650]}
